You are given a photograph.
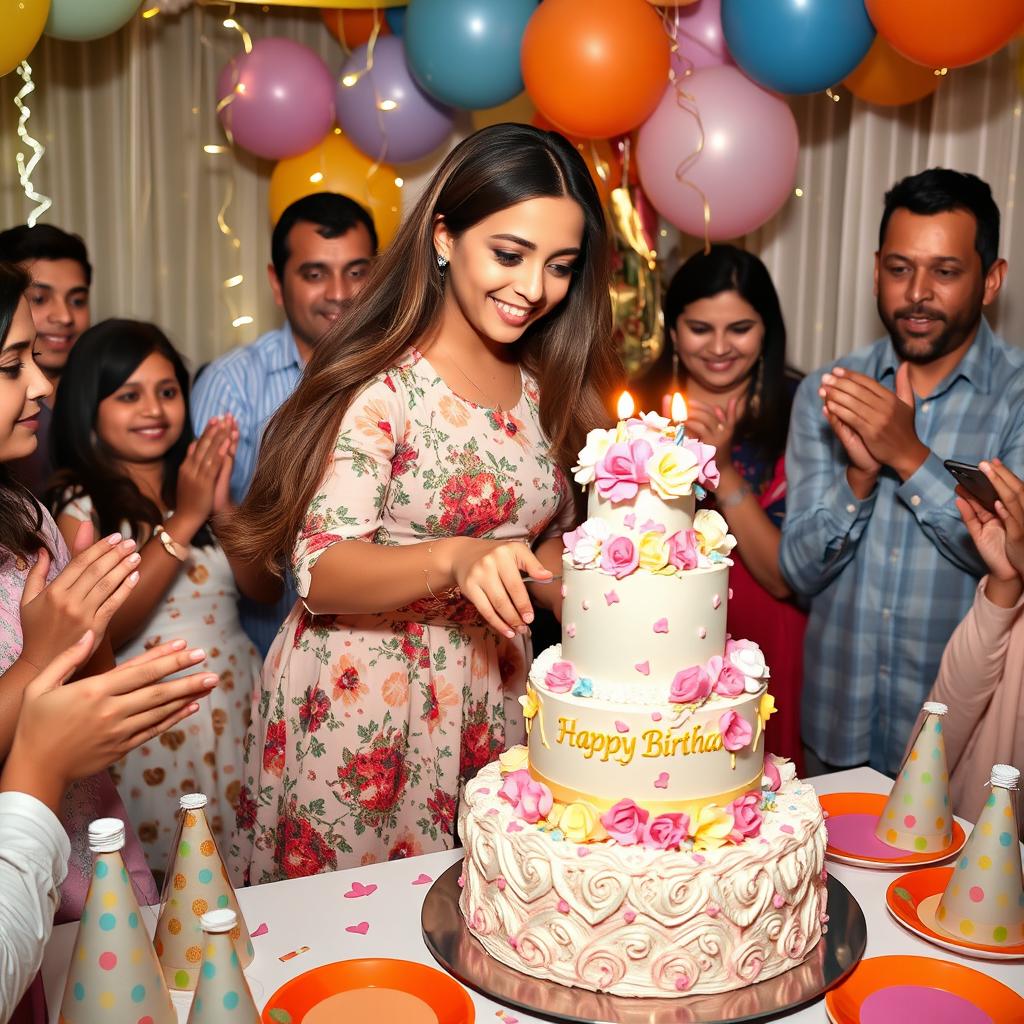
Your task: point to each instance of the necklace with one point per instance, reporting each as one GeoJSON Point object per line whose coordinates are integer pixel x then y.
{"type": "Point", "coordinates": [496, 406]}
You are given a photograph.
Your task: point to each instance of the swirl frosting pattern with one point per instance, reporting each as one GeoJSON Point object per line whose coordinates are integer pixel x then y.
{"type": "Point", "coordinates": [636, 922]}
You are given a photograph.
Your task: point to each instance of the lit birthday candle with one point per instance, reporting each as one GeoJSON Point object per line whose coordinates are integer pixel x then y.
{"type": "Point", "coordinates": [679, 416]}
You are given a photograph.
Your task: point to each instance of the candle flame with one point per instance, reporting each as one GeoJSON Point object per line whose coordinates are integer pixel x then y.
{"type": "Point", "coordinates": [625, 407]}
{"type": "Point", "coordinates": [678, 408]}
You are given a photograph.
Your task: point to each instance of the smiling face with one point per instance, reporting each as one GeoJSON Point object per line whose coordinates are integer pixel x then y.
{"type": "Point", "coordinates": [145, 416]}
{"type": "Point", "coordinates": [718, 340]}
{"type": "Point", "coordinates": [511, 268]}
{"type": "Point", "coordinates": [321, 277]}
{"type": "Point", "coordinates": [59, 299]}
{"type": "Point", "coordinates": [929, 283]}
{"type": "Point", "coordinates": [23, 385]}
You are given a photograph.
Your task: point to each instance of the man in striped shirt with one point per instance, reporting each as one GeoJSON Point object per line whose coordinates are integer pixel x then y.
{"type": "Point", "coordinates": [321, 250]}
{"type": "Point", "coordinates": [872, 535]}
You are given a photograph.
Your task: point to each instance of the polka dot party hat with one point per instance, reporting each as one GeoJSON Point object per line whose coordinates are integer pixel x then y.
{"type": "Point", "coordinates": [114, 975]}
{"type": "Point", "coordinates": [196, 882]}
{"type": "Point", "coordinates": [222, 995]}
{"type": "Point", "coordinates": [984, 901]}
{"type": "Point", "coordinates": [917, 815]}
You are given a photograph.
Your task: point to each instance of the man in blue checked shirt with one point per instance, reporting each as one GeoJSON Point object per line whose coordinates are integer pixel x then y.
{"type": "Point", "coordinates": [872, 535]}
{"type": "Point", "coordinates": [320, 250]}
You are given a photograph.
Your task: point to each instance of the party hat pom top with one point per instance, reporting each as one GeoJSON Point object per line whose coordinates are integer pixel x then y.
{"type": "Point", "coordinates": [222, 995]}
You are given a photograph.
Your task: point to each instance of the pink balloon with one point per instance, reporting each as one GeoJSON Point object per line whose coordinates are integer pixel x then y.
{"type": "Point", "coordinates": [700, 41]}
{"type": "Point", "coordinates": [283, 98]}
{"type": "Point", "coordinates": [746, 168]}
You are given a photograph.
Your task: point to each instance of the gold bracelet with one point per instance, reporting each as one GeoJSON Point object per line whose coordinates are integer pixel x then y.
{"type": "Point", "coordinates": [446, 595]}
{"type": "Point", "coordinates": [171, 546]}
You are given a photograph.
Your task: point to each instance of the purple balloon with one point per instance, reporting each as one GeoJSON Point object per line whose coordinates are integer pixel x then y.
{"type": "Point", "coordinates": [385, 113]}
{"type": "Point", "coordinates": [700, 40]}
{"type": "Point", "coordinates": [283, 98]}
{"type": "Point", "coordinates": [746, 167]}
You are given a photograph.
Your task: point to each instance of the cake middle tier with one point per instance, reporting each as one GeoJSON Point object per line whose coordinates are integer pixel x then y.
{"type": "Point", "coordinates": [666, 757]}
{"type": "Point", "coordinates": [644, 627]}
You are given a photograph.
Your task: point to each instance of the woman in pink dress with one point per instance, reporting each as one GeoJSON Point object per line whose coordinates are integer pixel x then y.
{"type": "Point", "coordinates": [415, 477]}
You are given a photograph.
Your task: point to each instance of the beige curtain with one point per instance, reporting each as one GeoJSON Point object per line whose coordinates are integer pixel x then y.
{"type": "Point", "coordinates": [125, 120]}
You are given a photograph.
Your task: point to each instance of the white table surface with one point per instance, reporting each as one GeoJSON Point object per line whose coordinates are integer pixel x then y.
{"type": "Point", "coordinates": [314, 912]}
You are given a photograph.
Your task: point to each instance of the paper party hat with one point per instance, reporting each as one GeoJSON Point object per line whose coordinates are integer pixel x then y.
{"type": "Point", "coordinates": [114, 976]}
{"type": "Point", "coordinates": [984, 901]}
{"type": "Point", "coordinates": [917, 815]}
{"type": "Point", "coordinates": [222, 995]}
{"type": "Point", "coordinates": [196, 882]}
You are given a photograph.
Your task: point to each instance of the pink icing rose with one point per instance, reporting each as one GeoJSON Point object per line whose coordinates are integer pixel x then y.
{"type": "Point", "coordinates": [746, 816]}
{"type": "Point", "coordinates": [707, 474]}
{"type": "Point", "coordinates": [532, 800]}
{"type": "Point", "coordinates": [622, 469]}
{"type": "Point", "coordinates": [625, 822]}
{"type": "Point", "coordinates": [728, 680]}
{"type": "Point", "coordinates": [771, 773]}
{"type": "Point", "coordinates": [682, 549]}
{"type": "Point", "coordinates": [561, 677]}
{"type": "Point", "coordinates": [692, 684]}
{"type": "Point", "coordinates": [736, 731]}
{"type": "Point", "coordinates": [619, 557]}
{"type": "Point", "coordinates": [666, 831]}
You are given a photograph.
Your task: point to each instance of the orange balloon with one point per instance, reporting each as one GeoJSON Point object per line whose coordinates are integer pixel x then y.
{"type": "Point", "coordinates": [946, 33]}
{"type": "Point", "coordinates": [886, 78]}
{"type": "Point", "coordinates": [335, 165]}
{"type": "Point", "coordinates": [353, 28]}
{"type": "Point", "coordinates": [595, 68]}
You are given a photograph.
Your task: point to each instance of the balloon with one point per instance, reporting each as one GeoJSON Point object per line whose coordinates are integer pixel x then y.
{"type": "Point", "coordinates": [283, 98]}
{"type": "Point", "coordinates": [353, 28]}
{"type": "Point", "coordinates": [466, 52]}
{"type": "Point", "coordinates": [746, 167]}
{"type": "Point", "coordinates": [23, 22]}
{"type": "Point", "coordinates": [335, 165]}
{"type": "Point", "coordinates": [886, 78]}
{"type": "Point", "coordinates": [396, 20]}
{"type": "Point", "coordinates": [595, 68]}
{"type": "Point", "coordinates": [361, 5]}
{"type": "Point", "coordinates": [947, 33]}
{"type": "Point", "coordinates": [414, 125]}
{"type": "Point", "coordinates": [80, 20]}
{"type": "Point", "coordinates": [519, 110]}
{"type": "Point", "coordinates": [700, 41]}
{"type": "Point", "coordinates": [797, 46]}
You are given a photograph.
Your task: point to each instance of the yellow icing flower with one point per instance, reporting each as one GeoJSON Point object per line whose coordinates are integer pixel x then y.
{"type": "Point", "coordinates": [531, 705]}
{"type": "Point", "coordinates": [712, 532]}
{"type": "Point", "coordinates": [714, 824]}
{"type": "Point", "coordinates": [553, 818]}
{"type": "Point", "coordinates": [513, 759]}
{"type": "Point", "coordinates": [672, 469]}
{"type": "Point", "coordinates": [653, 551]}
{"type": "Point", "coordinates": [767, 707]}
{"type": "Point", "coordinates": [578, 822]}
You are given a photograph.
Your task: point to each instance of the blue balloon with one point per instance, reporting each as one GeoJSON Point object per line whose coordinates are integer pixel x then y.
{"type": "Point", "coordinates": [466, 52]}
{"type": "Point", "coordinates": [395, 17]}
{"type": "Point", "coordinates": [797, 46]}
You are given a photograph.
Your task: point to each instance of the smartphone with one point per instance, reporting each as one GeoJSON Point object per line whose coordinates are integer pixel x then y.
{"type": "Point", "coordinates": [974, 482]}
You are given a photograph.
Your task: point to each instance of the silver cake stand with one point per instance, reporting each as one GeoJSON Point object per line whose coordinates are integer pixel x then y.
{"type": "Point", "coordinates": [458, 952]}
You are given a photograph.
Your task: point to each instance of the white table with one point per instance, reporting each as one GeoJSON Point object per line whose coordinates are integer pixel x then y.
{"type": "Point", "coordinates": [313, 912]}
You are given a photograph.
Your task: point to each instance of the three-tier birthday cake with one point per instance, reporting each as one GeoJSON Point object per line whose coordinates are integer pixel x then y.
{"type": "Point", "coordinates": [642, 843]}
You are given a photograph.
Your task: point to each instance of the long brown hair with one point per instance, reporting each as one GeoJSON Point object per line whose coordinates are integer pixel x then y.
{"type": "Point", "coordinates": [570, 351]}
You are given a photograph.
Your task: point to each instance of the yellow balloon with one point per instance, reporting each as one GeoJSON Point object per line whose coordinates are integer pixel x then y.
{"type": "Point", "coordinates": [348, 5]}
{"type": "Point", "coordinates": [23, 22]}
{"type": "Point", "coordinates": [519, 109]}
{"type": "Point", "coordinates": [335, 165]}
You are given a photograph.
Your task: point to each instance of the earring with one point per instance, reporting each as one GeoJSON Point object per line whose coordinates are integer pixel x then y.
{"type": "Point", "coordinates": [442, 263]}
{"type": "Point", "coordinates": [755, 400]}
{"type": "Point", "coordinates": [675, 369]}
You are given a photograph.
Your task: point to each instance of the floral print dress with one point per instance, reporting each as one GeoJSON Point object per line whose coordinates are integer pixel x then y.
{"type": "Point", "coordinates": [367, 723]}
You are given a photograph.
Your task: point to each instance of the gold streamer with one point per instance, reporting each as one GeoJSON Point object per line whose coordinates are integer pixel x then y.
{"type": "Point", "coordinates": [25, 168]}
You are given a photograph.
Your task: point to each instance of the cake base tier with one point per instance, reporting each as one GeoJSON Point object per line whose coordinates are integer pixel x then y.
{"type": "Point", "coordinates": [630, 921]}
{"type": "Point", "coordinates": [454, 947]}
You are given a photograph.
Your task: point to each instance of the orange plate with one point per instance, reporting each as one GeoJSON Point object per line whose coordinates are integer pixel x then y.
{"type": "Point", "coordinates": [903, 896]}
{"type": "Point", "coordinates": [843, 1003]}
{"type": "Point", "coordinates": [295, 998]}
{"type": "Point", "coordinates": [835, 804]}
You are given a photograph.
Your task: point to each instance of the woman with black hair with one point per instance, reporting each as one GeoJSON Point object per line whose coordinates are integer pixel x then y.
{"type": "Point", "coordinates": [723, 316]}
{"type": "Point", "coordinates": [121, 433]}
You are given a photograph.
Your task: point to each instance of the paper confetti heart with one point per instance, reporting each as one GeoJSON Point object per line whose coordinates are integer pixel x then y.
{"type": "Point", "coordinates": [661, 782]}
{"type": "Point", "coordinates": [644, 668]}
{"type": "Point", "coordinates": [260, 930]}
{"type": "Point", "coordinates": [661, 626]}
{"type": "Point", "coordinates": [358, 889]}
{"type": "Point", "coordinates": [422, 879]}
{"type": "Point", "coordinates": [359, 929]}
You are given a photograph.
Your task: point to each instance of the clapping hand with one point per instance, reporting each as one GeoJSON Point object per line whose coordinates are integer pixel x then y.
{"type": "Point", "coordinates": [716, 425]}
{"type": "Point", "coordinates": [205, 473]}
